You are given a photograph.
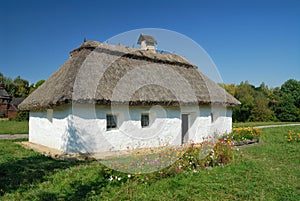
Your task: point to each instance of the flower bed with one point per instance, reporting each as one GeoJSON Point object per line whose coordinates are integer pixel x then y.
{"type": "Point", "coordinates": [145, 168]}
{"type": "Point", "coordinates": [245, 135]}
{"type": "Point", "coordinates": [293, 136]}
{"type": "Point", "coordinates": [190, 160]}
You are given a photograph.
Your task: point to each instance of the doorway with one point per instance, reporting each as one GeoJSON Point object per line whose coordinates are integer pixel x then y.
{"type": "Point", "coordinates": [184, 128]}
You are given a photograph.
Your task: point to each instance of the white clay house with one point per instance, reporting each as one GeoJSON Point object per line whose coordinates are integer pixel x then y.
{"type": "Point", "coordinates": [110, 97]}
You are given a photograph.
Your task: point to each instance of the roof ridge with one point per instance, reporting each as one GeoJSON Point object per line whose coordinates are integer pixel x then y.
{"type": "Point", "coordinates": [134, 53]}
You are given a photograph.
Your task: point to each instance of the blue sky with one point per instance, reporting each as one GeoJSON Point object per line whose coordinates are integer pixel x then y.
{"type": "Point", "coordinates": [258, 41]}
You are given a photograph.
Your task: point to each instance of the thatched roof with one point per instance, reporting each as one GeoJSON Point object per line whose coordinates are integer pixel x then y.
{"type": "Point", "coordinates": [102, 74]}
{"type": "Point", "coordinates": [3, 92]}
{"type": "Point", "coordinates": [16, 102]}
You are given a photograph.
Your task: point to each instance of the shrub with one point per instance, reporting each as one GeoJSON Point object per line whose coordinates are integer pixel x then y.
{"type": "Point", "coordinates": [21, 116]}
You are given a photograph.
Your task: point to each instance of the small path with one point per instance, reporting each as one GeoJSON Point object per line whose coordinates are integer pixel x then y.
{"type": "Point", "coordinates": [12, 136]}
{"type": "Point", "coordinates": [273, 126]}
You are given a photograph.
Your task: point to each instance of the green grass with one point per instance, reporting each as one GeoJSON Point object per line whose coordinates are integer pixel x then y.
{"type": "Point", "coordinates": [13, 127]}
{"type": "Point", "coordinates": [251, 124]}
{"type": "Point", "coordinates": [267, 171]}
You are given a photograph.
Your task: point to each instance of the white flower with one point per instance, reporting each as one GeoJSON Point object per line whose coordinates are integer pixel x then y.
{"type": "Point", "coordinates": [119, 179]}
{"type": "Point", "coordinates": [129, 175]}
{"type": "Point", "coordinates": [110, 178]}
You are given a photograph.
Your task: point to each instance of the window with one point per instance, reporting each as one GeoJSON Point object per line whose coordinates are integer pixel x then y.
{"type": "Point", "coordinates": [111, 121]}
{"type": "Point", "coordinates": [145, 120]}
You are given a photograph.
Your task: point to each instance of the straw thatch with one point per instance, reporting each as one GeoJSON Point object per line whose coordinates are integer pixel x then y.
{"type": "Point", "coordinates": [101, 73]}
{"type": "Point", "coordinates": [3, 92]}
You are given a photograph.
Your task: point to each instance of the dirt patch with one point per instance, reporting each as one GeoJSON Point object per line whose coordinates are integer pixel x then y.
{"type": "Point", "coordinates": [54, 153]}
{"type": "Point", "coordinates": [57, 154]}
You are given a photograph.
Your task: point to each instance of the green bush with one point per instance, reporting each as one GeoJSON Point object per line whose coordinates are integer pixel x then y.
{"type": "Point", "coordinates": [21, 116]}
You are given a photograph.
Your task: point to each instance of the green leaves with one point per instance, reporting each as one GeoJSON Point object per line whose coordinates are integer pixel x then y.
{"type": "Point", "coordinates": [18, 87]}
{"type": "Point", "coordinates": [264, 104]}
{"type": "Point", "coordinates": [286, 110]}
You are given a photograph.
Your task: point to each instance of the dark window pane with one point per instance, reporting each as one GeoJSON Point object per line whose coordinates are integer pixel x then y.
{"type": "Point", "coordinates": [145, 120]}
{"type": "Point", "coordinates": [111, 121]}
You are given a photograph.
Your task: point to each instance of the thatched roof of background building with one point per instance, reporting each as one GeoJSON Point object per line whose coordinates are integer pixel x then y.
{"type": "Point", "coordinates": [16, 102]}
{"type": "Point", "coordinates": [83, 79]}
{"type": "Point", "coordinates": [3, 92]}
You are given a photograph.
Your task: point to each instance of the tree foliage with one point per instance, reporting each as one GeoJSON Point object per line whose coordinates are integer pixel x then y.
{"type": "Point", "coordinates": [264, 104]}
{"type": "Point", "coordinates": [286, 110]}
{"type": "Point", "coordinates": [18, 87]}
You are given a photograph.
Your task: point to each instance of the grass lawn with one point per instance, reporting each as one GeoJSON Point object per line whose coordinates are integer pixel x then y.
{"type": "Point", "coordinates": [267, 171]}
{"type": "Point", "coordinates": [251, 124]}
{"type": "Point", "coordinates": [13, 127]}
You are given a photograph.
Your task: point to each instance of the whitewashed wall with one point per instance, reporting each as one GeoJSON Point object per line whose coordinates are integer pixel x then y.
{"type": "Point", "coordinates": [82, 128]}
{"type": "Point", "coordinates": [222, 120]}
{"type": "Point", "coordinates": [45, 132]}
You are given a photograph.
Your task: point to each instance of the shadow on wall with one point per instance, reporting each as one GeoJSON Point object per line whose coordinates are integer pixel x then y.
{"type": "Point", "coordinates": [76, 139]}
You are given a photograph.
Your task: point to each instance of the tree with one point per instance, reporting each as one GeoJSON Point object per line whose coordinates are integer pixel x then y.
{"type": "Point", "coordinates": [245, 94]}
{"type": "Point", "coordinates": [289, 105]}
{"type": "Point", "coordinates": [274, 98]}
{"type": "Point", "coordinates": [261, 110]}
{"type": "Point", "coordinates": [230, 88]}
{"type": "Point", "coordinates": [39, 83]}
{"type": "Point", "coordinates": [22, 87]}
{"type": "Point", "coordinates": [292, 87]}
{"type": "Point", "coordinates": [33, 87]}
{"type": "Point", "coordinates": [263, 88]}
{"type": "Point", "coordinates": [286, 110]}
{"type": "Point", "coordinates": [8, 84]}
